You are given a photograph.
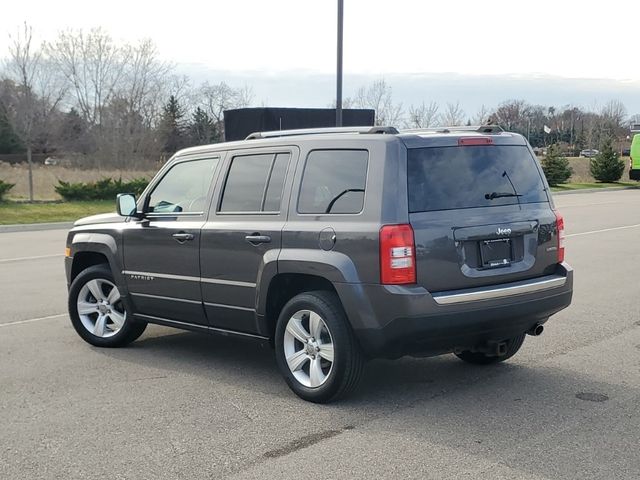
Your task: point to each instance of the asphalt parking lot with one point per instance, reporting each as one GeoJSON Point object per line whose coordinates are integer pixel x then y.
{"type": "Point", "coordinates": [183, 405]}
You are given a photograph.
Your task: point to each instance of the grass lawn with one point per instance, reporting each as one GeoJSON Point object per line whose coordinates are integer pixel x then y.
{"type": "Point", "coordinates": [587, 185]}
{"type": "Point", "coordinates": [14, 212]}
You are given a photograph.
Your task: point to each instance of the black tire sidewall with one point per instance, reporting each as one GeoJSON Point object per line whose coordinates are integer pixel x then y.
{"type": "Point", "coordinates": [329, 308]}
{"type": "Point", "coordinates": [129, 332]}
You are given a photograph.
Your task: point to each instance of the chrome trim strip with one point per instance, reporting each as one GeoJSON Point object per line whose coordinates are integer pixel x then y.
{"type": "Point", "coordinates": [233, 283]}
{"type": "Point", "coordinates": [241, 334]}
{"type": "Point", "coordinates": [166, 320]}
{"type": "Point", "coordinates": [160, 297]}
{"type": "Point", "coordinates": [230, 306]}
{"type": "Point", "coordinates": [204, 327]}
{"type": "Point", "coordinates": [186, 278]}
{"type": "Point", "coordinates": [506, 290]}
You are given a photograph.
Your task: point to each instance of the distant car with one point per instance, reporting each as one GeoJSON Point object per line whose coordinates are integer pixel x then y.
{"type": "Point", "coordinates": [51, 161]}
{"type": "Point", "coordinates": [589, 153]}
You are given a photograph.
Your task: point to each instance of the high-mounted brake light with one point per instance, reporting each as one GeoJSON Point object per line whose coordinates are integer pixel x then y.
{"type": "Point", "coordinates": [560, 233]}
{"type": "Point", "coordinates": [397, 255]}
{"type": "Point", "coordinates": [468, 141]}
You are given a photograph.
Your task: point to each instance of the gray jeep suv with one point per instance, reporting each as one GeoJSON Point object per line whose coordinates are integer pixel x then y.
{"type": "Point", "coordinates": [335, 245]}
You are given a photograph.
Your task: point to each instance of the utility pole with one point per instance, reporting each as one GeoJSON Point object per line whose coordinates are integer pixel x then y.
{"type": "Point", "coordinates": [339, 69]}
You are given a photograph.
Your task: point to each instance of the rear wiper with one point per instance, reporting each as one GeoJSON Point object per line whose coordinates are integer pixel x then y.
{"type": "Point", "coordinates": [339, 196]}
{"type": "Point", "coordinates": [492, 195]}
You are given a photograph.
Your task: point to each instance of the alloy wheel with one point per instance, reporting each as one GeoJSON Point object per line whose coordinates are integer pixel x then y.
{"type": "Point", "coordinates": [308, 348]}
{"type": "Point", "coordinates": [100, 308]}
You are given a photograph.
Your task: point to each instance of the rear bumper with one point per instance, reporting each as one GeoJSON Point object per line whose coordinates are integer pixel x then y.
{"type": "Point", "coordinates": [395, 321]}
{"type": "Point", "coordinates": [634, 174]}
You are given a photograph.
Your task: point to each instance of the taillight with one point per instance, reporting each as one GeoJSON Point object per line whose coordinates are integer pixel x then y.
{"type": "Point", "coordinates": [397, 255]}
{"type": "Point", "coordinates": [470, 141]}
{"type": "Point", "coordinates": [560, 229]}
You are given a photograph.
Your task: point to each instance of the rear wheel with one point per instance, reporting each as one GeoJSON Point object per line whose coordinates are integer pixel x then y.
{"type": "Point", "coordinates": [478, 358]}
{"type": "Point", "coordinates": [316, 351]}
{"type": "Point", "coordinates": [97, 311]}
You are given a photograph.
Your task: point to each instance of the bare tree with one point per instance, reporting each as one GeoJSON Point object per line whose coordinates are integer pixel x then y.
{"type": "Point", "coordinates": [482, 116]}
{"type": "Point", "coordinates": [512, 114]}
{"type": "Point", "coordinates": [144, 79]}
{"type": "Point", "coordinates": [93, 65]}
{"type": "Point", "coordinates": [423, 116]}
{"type": "Point", "coordinates": [215, 99]}
{"type": "Point", "coordinates": [378, 96]}
{"type": "Point", "coordinates": [612, 120]}
{"type": "Point", "coordinates": [38, 92]}
{"type": "Point", "coordinates": [453, 115]}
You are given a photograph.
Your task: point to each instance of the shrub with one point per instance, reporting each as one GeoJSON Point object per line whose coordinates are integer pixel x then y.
{"type": "Point", "coordinates": [607, 166]}
{"type": "Point", "coordinates": [556, 166]}
{"type": "Point", "coordinates": [4, 188]}
{"type": "Point", "coordinates": [105, 189]}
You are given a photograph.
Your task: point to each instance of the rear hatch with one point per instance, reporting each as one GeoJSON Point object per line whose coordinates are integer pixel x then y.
{"type": "Point", "coordinates": [481, 215]}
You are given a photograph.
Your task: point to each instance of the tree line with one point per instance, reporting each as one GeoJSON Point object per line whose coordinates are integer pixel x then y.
{"type": "Point", "coordinates": [99, 104]}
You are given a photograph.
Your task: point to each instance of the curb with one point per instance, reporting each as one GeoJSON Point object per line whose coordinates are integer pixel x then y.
{"type": "Point", "coordinates": [35, 227]}
{"type": "Point", "coordinates": [593, 190]}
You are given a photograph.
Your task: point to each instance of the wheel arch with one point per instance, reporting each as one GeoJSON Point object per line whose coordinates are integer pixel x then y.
{"type": "Point", "coordinates": [88, 249]}
{"type": "Point", "coordinates": [283, 287]}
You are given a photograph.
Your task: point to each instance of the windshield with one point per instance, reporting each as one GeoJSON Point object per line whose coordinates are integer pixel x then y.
{"type": "Point", "coordinates": [444, 178]}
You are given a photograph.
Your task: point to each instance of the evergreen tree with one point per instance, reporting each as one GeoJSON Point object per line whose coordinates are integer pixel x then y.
{"type": "Point", "coordinates": [556, 166]}
{"type": "Point", "coordinates": [9, 141]}
{"type": "Point", "coordinates": [172, 130]}
{"type": "Point", "coordinates": [201, 129]}
{"type": "Point", "coordinates": [72, 132]}
{"type": "Point", "coordinates": [607, 166]}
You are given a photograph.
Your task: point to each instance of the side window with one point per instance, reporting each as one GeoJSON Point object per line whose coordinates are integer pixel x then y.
{"type": "Point", "coordinates": [334, 182]}
{"type": "Point", "coordinates": [255, 183]}
{"type": "Point", "coordinates": [273, 195]}
{"type": "Point", "coordinates": [184, 188]}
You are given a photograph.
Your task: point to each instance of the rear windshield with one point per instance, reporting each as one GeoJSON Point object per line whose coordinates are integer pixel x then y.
{"type": "Point", "coordinates": [445, 178]}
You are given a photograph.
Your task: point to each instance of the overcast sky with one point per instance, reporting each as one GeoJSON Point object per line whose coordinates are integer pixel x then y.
{"type": "Point", "coordinates": [556, 52]}
{"type": "Point", "coordinates": [586, 39]}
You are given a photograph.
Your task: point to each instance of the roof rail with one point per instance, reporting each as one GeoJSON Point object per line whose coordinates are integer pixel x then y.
{"type": "Point", "coordinates": [327, 130]}
{"type": "Point", "coordinates": [472, 128]}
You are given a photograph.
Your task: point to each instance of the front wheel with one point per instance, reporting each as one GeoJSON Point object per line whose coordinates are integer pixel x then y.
{"type": "Point", "coordinates": [477, 358]}
{"type": "Point", "coordinates": [316, 351]}
{"type": "Point", "coordinates": [97, 312]}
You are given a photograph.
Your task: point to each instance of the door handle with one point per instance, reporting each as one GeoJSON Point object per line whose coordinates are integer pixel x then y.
{"type": "Point", "coordinates": [183, 237]}
{"type": "Point", "coordinates": [257, 239]}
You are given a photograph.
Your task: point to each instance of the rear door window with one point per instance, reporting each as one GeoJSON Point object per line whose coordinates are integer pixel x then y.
{"type": "Point", "coordinates": [445, 178]}
{"type": "Point", "coordinates": [254, 183]}
{"type": "Point", "coordinates": [334, 182]}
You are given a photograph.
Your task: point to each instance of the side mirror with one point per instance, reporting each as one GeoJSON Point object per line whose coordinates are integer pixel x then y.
{"type": "Point", "coordinates": [126, 203]}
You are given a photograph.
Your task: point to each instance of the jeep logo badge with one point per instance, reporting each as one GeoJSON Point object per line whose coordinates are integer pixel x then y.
{"type": "Point", "coordinates": [503, 231]}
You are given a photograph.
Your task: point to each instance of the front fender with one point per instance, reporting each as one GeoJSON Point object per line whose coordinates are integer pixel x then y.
{"type": "Point", "coordinates": [104, 244]}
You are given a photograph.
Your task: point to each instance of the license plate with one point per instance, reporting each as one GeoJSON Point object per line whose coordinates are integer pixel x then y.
{"type": "Point", "coordinates": [496, 253]}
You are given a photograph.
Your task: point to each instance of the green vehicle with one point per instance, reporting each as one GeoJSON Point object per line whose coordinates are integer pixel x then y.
{"type": "Point", "coordinates": [634, 160]}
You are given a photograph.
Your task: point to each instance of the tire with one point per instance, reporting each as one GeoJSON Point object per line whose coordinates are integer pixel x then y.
{"type": "Point", "coordinates": [312, 376]}
{"type": "Point", "coordinates": [104, 321]}
{"type": "Point", "coordinates": [477, 358]}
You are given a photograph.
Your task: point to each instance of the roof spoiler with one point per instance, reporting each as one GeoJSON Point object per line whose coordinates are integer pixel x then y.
{"type": "Point", "coordinates": [473, 128]}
